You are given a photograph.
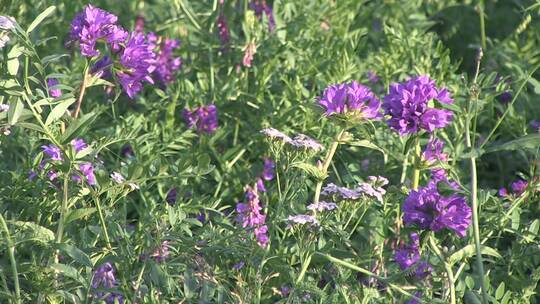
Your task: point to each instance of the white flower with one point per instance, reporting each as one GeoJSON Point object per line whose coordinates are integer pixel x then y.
{"type": "Point", "coordinates": [117, 177]}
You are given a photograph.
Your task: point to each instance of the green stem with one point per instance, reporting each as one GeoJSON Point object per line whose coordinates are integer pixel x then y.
{"type": "Point", "coordinates": [474, 183]}
{"type": "Point", "coordinates": [102, 222]}
{"type": "Point", "coordinates": [63, 210]}
{"type": "Point", "coordinates": [81, 93]}
{"type": "Point", "coordinates": [416, 173]}
{"type": "Point", "coordinates": [326, 164]}
{"type": "Point", "coordinates": [447, 267]}
{"type": "Point", "coordinates": [482, 24]}
{"type": "Point", "coordinates": [11, 253]}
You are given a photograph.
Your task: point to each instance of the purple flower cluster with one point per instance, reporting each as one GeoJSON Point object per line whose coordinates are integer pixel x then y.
{"type": "Point", "coordinates": [267, 174]}
{"type": "Point", "coordinates": [321, 206]}
{"type": "Point", "coordinates": [223, 28]}
{"type": "Point", "coordinates": [408, 256]}
{"type": "Point", "coordinates": [204, 118]}
{"type": "Point", "coordinates": [104, 278]}
{"type": "Point", "coordinates": [433, 152]}
{"type": "Point", "coordinates": [53, 152]}
{"type": "Point", "coordinates": [95, 25]}
{"type": "Point", "coordinates": [166, 64]}
{"type": "Point", "coordinates": [428, 209]}
{"type": "Point", "coordinates": [138, 61]}
{"type": "Point", "coordinates": [299, 142]}
{"type": "Point", "coordinates": [518, 187]}
{"type": "Point", "coordinates": [302, 219]}
{"type": "Point", "coordinates": [55, 93]}
{"type": "Point", "coordinates": [407, 104]}
{"type": "Point", "coordinates": [373, 188]}
{"type": "Point", "coordinates": [250, 216]}
{"type": "Point", "coordinates": [352, 99]}
{"type": "Point", "coordinates": [261, 7]}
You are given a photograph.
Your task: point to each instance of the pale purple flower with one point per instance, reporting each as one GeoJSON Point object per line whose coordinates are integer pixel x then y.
{"type": "Point", "coordinates": [343, 192]}
{"type": "Point", "coordinates": [52, 175]}
{"type": "Point", "coordinates": [51, 82]}
{"type": "Point", "coordinates": [138, 62]}
{"type": "Point", "coordinates": [78, 144]}
{"type": "Point", "coordinates": [117, 178]}
{"type": "Point", "coordinates": [269, 169]}
{"type": "Point", "coordinates": [433, 152]}
{"type": "Point", "coordinates": [250, 216]}
{"type": "Point", "coordinates": [87, 169]}
{"type": "Point", "coordinates": [303, 141]}
{"type": "Point", "coordinates": [276, 135]}
{"type": "Point", "coordinates": [302, 219]}
{"type": "Point", "coordinates": [4, 107]}
{"type": "Point", "coordinates": [104, 278]}
{"type": "Point", "coordinates": [407, 106]}
{"type": "Point", "coordinates": [93, 25]}
{"type": "Point", "coordinates": [53, 152]}
{"type": "Point", "coordinates": [166, 65]}
{"type": "Point", "coordinates": [260, 185]}
{"type": "Point", "coordinates": [204, 118]}
{"type": "Point", "coordinates": [322, 206]}
{"type": "Point", "coordinates": [352, 99]}
{"type": "Point", "coordinates": [261, 234]}
{"type": "Point", "coordinates": [428, 209]}
{"type": "Point", "coordinates": [503, 192]}
{"type": "Point", "coordinates": [7, 23]}
{"type": "Point", "coordinates": [372, 77]}
{"type": "Point", "coordinates": [239, 265]}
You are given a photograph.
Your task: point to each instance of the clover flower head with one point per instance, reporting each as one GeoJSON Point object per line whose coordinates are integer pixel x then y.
{"type": "Point", "coordinates": [203, 118]}
{"type": "Point", "coordinates": [321, 206]}
{"type": "Point", "coordinates": [350, 99]}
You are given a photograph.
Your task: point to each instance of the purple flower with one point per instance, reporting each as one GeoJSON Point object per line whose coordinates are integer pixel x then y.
{"type": "Point", "coordinates": [423, 269]}
{"type": "Point", "coordinates": [350, 99]}
{"type": "Point", "coordinates": [519, 186]}
{"type": "Point", "coordinates": [53, 152]}
{"type": "Point", "coordinates": [372, 77]}
{"type": "Point", "coordinates": [78, 144]}
{"type": "Point", "coordinates": [433, 151]}
{"type": "Point", "coordinates": [302, 219]}
{"type": "Point", "coordinates": [104, 278]}
{"type": "Point", "coordinates": [223, 28]}
{"type": "Point", "coordinates": [87, 169]}
{"type": "Point", "coordinates": [305, 142]}
{"type": "Point", "coordinates": [417, 294]}
{"type": "Point", "coordinates": [139, 24]}
{"type": "Point", "coordinates": [127, 151]}
{"type": "Point", "coordinates": [408, 255]}
{"type": "Point", "coordinates": [102, 68]}
{"type": "Point", "coordinates": [535, 124]}
{"type": "Point", "coordinates": [407, 106]}
{"type": "Point", "coordinates": [7, 23]}
{"type": "Point", "coordinates": [261, 7]}
{"type": "Point", "coordinates": [138, 61]}
{"type": "Point", "coordinates": [204, 118]}
{"type": "Point", "coordinates": [505, 97]}
{"type": "Point", "coordinates": [162, 252]}
{"type": "Point", "coordinates": [166, 64]}
{"type": "Point", "coordinates": [322, 206]}
{"type": "Point", "coordinates": [428, 209]}
{"type": "Point", "coordinates": [52, 175]}
{"type": "Point", "coordinates": [260, 185]}
{"type": "Point", "coordinates": [238, 265]}
{"type": "Point", "coordinates": [269, 169]}
{"type": "Point", "coordinates": [93, 25]}
{"type": "Point", "coordinates": [503, 192]}
{"type": "Point", "coordinates": [171, 196]}
{"type": "Point", "coordinates": [276, 135]}
{"type": "Point", "coordinates": [51, 82]}
{"type": "Point", "coordinates": [249, 215]}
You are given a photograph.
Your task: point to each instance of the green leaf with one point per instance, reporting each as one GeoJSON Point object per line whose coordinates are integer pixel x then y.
{"type": "Point", "coordinates": [46, 13]}
{"type": "Point", "coordinates": [469, 251]}
{"type": "Point", "coordinates": [13, 60]}
{"type": "Point", "coordinates": [366, 144]}
{"type": "Point", "coordinates": [76, 214]}
{"type": "Point", "coordinates": [78, 126]}
{"type": "Point", "coordinates": [76, 254]}
{"type": "Point", "coordinates": [59, 110]}
{"type": "Point", "coordinates": [500, 291]}
{"type": "Point", "coordinates": [471, 298]}
{"type": "Point", "coordinates": [70, 272]}
{"type": "Point", "coordinates": [32, 232]}
{"type": "Point", "coordinates": [531, 141]}
{"type": "Point", "coordinates": [15, 110]}
{"type": "Point", "coordinates": [310, 169]}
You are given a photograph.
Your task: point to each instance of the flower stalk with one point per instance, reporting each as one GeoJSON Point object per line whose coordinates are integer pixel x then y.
{"type": "Point", "coordinates": [12, 261]}
{"type": "Point", "coordinates": [326, 164]}
{"type": "Point", "coordinates": [81, 93]}
{"type": "Point", "coordinates": [447, 267]}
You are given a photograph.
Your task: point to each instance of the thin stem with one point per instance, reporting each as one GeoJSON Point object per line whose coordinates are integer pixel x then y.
{"type": "Point", "coordinates": [474, 182]}
{"type": "Point", "coordinates": [63, 210]}
{"type": "Point", "coordinates": [447, 267]}
{"type": "Point", "coordinates": [12, 261]}
{"type": "Point", "coordinates": [416, 173]}
{"type": "Point", "coordinates": [81, 93]}
{"type": "Point", "coordinates": [482, 24]}
{"type": "Point", "coordinates": [102, 221]}
{"type": "Point", "coordinates": [326, 164]}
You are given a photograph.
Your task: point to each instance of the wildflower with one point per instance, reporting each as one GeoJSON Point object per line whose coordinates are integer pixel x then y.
{"type": "Point", "coordinates": [302, 141]}
{"type": "Point", "coordinates": [4, 107]}
{"type": "Point", "coordinates": [276, 135]}
{"type": "Point", "coordinates": [139, 24]}
{"type": "Point", "coordinates": [127, 151]}
{"type": "Point", "coordinates": [322, 206]}
{"type": "Point", "coordinates": [138, 61]}
{"type": "Point", "coordinates": [52, 175]}
{"type": "Point", "coordinates": [238, 265]}
{"type": "Point", "coordinates": [351, 99]}
{"type": "Point", "coordinates": [535, 124]}
{"type": "Point", "coordinates": [7, 23]}
{"type": "Point", "coordinates": [372, 77]}
{"type": "Point", "coordinates": [433, 151]}
{"type": "Point", "coordinates": [165, 64]}
{"type": "Point", "coordinates": [102, 68]}
{"type": "Point", "coordinates": [93, 25]}
{"type": "Point", "coordinates": [261, 7]}
{"type": "Point", "coordinates": [428, 209]}
{"type": "Point", "coordinates": [31, 175]}
{"type": "Point", "coordinates": [519, 186]}
{"type": "Point", "coordinates": [204, 118]}
{"type": "Point", "coordinates": [303, 219]}
{"type": "Point", "coordinates": [505, 97]}
{"type": "Point", "coordinates": [171, 196]}
{"type": "Point", "coordinates": [260, 185]}
{"type": "Point", "coordinates": [223, 28]}
{"type": "Point", "coordinates": [408, 255]}
{"type": "Point", "coordinates": [87, 169]}
{"type": "Point", "coordinates": [53, 152]}
{"type": "Point", "coordinates": [249, 215]}
{"type": "Point", "coordinates": [51, 82]}
{"type": "Point", "coordinates": [78, 144]}
{"type": "Point", "coordinates": [423, 269]}
{"type": "Point", "coordinates": [249, 50]}
{"type": "Point", "coordinates": [104, 278]}
{"type": "Point", "coordinates": [269, 169]}
{"type": "Point", "coordinates": [407, 106]}
{"type": "Point", "coordinates": [117, 177]}
{"type": "Point", "coordinates": [161, 252]}
{"type": "Point", "coordinates": [343, 192]}
{"type": "Point", "coordinates": [502, 192]}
